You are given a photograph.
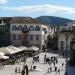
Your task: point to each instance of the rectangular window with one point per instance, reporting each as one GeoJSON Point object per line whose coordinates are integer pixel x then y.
{"type": "Point", "coordinates": [37, 37]}
{"type": "Point", "coordinates": [14, 36]}
{"type": "Point", "coordinates": [62, 43]}
{"type": "Point", "coordinates": [31, 37]}
{"type": "Point", "coordinates": [19, 37]}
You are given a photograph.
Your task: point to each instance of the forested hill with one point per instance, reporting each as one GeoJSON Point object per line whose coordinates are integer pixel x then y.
{"type": "Point", "coordinates": [52, 20]}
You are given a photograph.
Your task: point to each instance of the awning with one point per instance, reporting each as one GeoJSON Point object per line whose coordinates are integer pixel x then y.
{"type": "Point", "coordinates": [4, 57]}
{"type": "Point", "coordinates": [23, 48]}
{"type": "Point", "coordinates": [13, 49]}
{"type": "Point", "coordinates": [2, 53]}
{"type": "Point", "coordinates": [10, 50]}
{"type": "Point", "coordinates": [33, 48]}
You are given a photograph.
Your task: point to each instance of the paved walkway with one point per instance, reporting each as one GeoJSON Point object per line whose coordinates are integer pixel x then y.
{"type": "Point", "coordinates": [42, 68]}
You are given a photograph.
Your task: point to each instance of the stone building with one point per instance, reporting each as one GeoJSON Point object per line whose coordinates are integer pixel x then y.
{"type": "Point", "coordinates": [65, 37]}
{"type": "Point", "coordinates": [4, 31]}
{"type": "Point", "coordinates": [27, 31]}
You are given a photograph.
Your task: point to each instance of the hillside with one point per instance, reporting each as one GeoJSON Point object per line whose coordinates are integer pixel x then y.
{"type": "Point", "coordinates": [52, 20]}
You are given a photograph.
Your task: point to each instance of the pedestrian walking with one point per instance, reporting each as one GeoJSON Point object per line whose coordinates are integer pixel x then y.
{"type": "Point", "coordinates": [26, 67]}
{"type": "Point", "coordinates": [49, 63]}
{"type": "Point", "coordinates": [31, 67]}
{"type": "Point", "coordinates": [45, 58]}
{"type": "Point", "coordinates": [23, 72]}
{"type": "Point", "coordinates": [16, 70]}
{"type": "Point", "coordinates": [62, 64]}
{"type": "Point", "coordinates": [55, 69]}
{"type": "Point", "coordinates": [59, 71]}
{"type": "Point", "coordinates": [54, 63]}
{"type": "Point", "coordinates": [19, 70]}
{"type": "Point", "coordinates": [50, 69]}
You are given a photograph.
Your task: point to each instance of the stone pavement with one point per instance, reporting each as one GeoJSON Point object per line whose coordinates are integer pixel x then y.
{"type": "Point", "coordinates": [41, 67]}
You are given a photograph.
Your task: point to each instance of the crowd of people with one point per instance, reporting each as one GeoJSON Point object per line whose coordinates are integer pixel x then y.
{"type": "Point", "coordinates": [24, 71]}
{"type": "Point", "coordinates": [52, 60]}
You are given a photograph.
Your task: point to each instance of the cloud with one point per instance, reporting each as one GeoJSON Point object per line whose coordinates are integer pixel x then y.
{"type": "Point", "coordinates": [3, 1]}
{"type": "Point", "coordinates": [46, 8]}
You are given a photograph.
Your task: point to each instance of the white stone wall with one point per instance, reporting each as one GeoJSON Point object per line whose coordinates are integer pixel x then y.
{"type": "Point", "coordinates": [18, 42]}
{"type": "Point", "coordinates": [62, 37]}
{"type": "Point", "coordinates": [68, 27]}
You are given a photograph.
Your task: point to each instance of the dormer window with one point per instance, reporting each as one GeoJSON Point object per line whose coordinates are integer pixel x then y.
{"type": "Point", "coordinates": [14, 27]}
{"type": "Point", "coordinates": [31, 28]}
{"type": "Point", "coordinates": [37, 28]}
{"type": "Point", "coordinates": [20, 28]}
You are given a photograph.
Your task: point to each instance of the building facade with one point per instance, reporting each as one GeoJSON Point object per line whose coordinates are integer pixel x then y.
{"type": "Point", "coordinates": [65, 37]}
{"type": "Point", "coordinates": [4, 31]}
{"type": "Point", "coordinates": [25, 30]}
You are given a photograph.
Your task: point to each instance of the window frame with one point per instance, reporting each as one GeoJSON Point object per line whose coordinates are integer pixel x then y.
{"type": "Point", "coordinates": [37, 28]}
{"type": "Point", "coordinates": [20, 28]}
{"type": "Point", "coordinates": [14, 37]}
{"type": "Point", "coordinates": [31, 28]}
{"type": "Point", "coordinates": [31, 37]}
{"type": "Point", "coordinates": [25, 28]}
{"type": "Point", "coordinates": [37, 37]}
{"type": "Point", "coordinates": [14, 27]}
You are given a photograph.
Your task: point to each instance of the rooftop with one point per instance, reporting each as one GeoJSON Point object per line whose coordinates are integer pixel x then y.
{"type": "Point", "coordinates": [24, 20]}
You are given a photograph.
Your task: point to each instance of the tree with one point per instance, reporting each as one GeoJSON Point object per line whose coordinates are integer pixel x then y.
{"type": "Point", "coordinates": [49, 41]}
{"type": "Point", "coordinates": [4, 38]}
{"type": "Point", "coordinates": [52, 42]}
{"type": "Point", "coordinates": [1, 37]}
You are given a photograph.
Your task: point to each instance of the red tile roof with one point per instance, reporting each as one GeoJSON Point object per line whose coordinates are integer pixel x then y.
{"type": "Point", "coordinates": [24, 20]}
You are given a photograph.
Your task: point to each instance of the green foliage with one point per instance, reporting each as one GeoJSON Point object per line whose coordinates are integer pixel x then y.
{"type": "Point", "coordinates": [49, 41]}
{"type": "Point", "coordinates": [4, 39]}
{"type": "Point", "coordinates": [53, 20]}
{"type": "Point", "coordinates": [52, 42]}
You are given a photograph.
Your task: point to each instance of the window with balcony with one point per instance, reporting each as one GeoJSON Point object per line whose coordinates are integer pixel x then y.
{"type": "Point", "coordinates": [37, 28]}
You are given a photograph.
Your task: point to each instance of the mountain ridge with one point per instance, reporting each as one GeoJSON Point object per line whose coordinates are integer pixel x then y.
{"type": "Point", "coordinates": [53, 20]}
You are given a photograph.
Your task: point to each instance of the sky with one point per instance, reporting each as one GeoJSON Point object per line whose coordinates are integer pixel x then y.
{"type": "Point", "coordinates": [35, 8]}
